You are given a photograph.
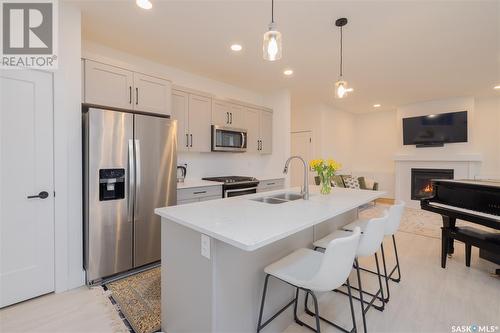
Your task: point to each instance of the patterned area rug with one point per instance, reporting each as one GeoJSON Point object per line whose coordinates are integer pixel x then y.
{"type": "Point", "coordinates": [138, 298]}
{"type": "Point", "coordinates": [416, 221]}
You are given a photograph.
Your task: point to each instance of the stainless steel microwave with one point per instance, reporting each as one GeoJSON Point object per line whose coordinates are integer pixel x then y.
{"type": "Point", "coordinates": [229, 139]}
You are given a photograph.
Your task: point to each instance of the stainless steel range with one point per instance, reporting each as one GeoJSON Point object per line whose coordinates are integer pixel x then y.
{"type": "Point", "coordinates": [236, 185]}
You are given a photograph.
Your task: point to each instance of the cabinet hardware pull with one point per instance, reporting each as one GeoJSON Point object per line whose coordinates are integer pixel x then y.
{"type": "Point", "coordinates": [200, 192]}
{"type": "Point", "coordinates": [227, 117]}
{"type": "Point", "coordinates": [41, 195]}
{"type": "Point", "coordinates": [271, 183]}
{"type": "Point", "coordinates": [130, 95]}
{"type": "Point", "coordinates": [231, 117]}
{"type": "Point", "coordinates": [191, 140]}
{"type": "Point", "coordinates": [187, 140]}
{"type": "Point", "coordinates": [136, 96]}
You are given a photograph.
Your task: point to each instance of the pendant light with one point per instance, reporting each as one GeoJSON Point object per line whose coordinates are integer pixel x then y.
{"type": "Point", "coordinates": [272, 40]}
{"type": "Point", "coordinates": [341, 88]}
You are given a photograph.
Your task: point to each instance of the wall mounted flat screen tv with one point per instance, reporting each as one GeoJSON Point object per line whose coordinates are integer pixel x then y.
{"type": "Point", "coordinates": [435, 129]}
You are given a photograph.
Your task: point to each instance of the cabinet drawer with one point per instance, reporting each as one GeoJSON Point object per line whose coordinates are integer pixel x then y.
{"type": "Point", "coordinates": [199, 192]}
{"type": "Point", "coordinates": [271, 184]}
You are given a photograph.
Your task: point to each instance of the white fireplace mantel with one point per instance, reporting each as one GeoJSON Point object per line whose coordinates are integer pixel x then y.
{"type": "Point", "coordinates": [440, 157]}
{"type": "Point", "coordinates": [465, 166]}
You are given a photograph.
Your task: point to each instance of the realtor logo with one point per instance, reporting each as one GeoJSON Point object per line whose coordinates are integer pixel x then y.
{"type": "Point", "coordinates": [29, 34]}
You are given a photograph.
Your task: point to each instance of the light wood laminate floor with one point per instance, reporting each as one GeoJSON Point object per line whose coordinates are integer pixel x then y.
{"type": "Point", "coordinates": [428, 299]}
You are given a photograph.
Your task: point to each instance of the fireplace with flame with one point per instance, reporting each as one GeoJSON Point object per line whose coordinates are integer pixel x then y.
{"type": "Point", "coordinates": [421, 185]}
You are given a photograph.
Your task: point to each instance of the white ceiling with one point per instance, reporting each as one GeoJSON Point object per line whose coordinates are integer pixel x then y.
{"type": "Point", "coordinates": [395, 52]}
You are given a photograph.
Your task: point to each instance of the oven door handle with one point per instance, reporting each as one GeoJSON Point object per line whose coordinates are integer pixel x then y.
{"type": "Point", "coordinates": [239, 190]}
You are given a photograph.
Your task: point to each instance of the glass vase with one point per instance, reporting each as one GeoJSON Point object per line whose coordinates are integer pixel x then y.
{"type": "Point", "coordinates": [326, 185]}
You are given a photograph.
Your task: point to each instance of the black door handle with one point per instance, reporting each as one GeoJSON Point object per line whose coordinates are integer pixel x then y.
{"type": "Point", "coordinates": [41, 195]}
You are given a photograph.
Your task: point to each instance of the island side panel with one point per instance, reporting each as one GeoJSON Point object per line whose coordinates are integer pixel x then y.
{"type": "Point", "coordinates": [186, 281]}
{"type": "Point", "coordinates": [239, 279]}
{"type": "Point", "coordinates": [323, 229]}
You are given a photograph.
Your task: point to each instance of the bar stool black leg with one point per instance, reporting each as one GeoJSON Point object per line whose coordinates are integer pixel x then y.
{"type": "Point", "coordinates": [262, 303]}
{"type": "Point", "coordinates": [353, 316]}
{"type": "Point", "coordinates": [363, 313]}
{"type": "Point", "coordinates": [316, 310]}
{"type": "Point", "coordinates": [385, 274]}
{"type": "Point", "coordinates": [295, 317]}
{"type": "Point", "coordinates": [397, 260]}
{"type": "Point", "coordinates": [380, 284]}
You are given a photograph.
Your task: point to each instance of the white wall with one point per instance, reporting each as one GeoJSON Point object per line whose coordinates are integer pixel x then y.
{"type": "Point", "coordinates": [67, 152]}
{"type": "Point", "coordinates": [332, 131]}
{"type": "Point", "coordinates": [374, 146]}
{"type": "Point", "coordinates": [367, 143]}
{"type": "Point", "coordinates": [214, 164]}
{"type": "Point", "coordinates": [380, 137]}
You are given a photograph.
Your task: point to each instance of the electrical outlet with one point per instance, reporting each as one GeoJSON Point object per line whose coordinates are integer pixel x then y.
{"type": "Point", "coordinates": [205, 246]}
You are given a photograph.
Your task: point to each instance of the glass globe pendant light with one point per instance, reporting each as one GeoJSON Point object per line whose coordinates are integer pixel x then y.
{"type": "Point", "coordinates": [271, 48]}
{"type": "Point", "coordinates": [341, 87]}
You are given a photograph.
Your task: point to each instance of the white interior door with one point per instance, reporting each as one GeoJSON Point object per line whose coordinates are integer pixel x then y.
{"type": "Point", "coordinates": [301, 145]}
{"type": "Point", "coordinates": [26, 169]}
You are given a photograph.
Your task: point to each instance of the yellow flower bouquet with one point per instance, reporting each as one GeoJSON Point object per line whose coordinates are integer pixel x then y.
{"type": "Point", "coordinates": [326, 170]}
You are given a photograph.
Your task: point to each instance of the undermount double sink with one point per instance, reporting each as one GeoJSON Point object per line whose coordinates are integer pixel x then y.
{"type": "Point", "coordinates": [279, 198]}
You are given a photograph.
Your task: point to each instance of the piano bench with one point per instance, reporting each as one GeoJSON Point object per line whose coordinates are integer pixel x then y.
{"type": "Point", "coordinates": [487, 242]}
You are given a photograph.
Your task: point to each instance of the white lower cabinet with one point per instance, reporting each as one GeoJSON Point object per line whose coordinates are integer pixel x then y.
{"type": "Point", "coordinates": [271, 184]}
{"type": "Point", "coordinates": [197, 194]}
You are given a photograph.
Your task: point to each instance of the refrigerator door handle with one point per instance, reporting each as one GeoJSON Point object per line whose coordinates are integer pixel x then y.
{"type": "Point", "coordinates": [131, 181]}
{"type": "Point", "coordinates": [137, 173]}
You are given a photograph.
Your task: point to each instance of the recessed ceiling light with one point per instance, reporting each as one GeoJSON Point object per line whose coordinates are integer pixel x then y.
{"type": "Point", "coordinates": [236, 47]}
{"type": "Point", "coordinates": [144, 4]}
{"type": "Point", "coordinates": [288, 72]}
{"type": "Point", "coordinates": [376, 105]}
{"type": "Point", "coordinates": [496, 87]}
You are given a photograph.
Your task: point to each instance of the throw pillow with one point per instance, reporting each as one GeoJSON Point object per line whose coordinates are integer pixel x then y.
{"type": "Point", "coordinates": [351, 182]}
{"type": "Point", "coordinates": [370, 183]}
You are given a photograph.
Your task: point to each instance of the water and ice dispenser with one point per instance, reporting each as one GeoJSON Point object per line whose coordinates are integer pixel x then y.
{"type": "Point", "coordinates": [111, 184]}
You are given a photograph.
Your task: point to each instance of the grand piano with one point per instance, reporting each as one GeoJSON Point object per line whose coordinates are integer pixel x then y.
{"type": "Point", "coordinates": [473, 201]}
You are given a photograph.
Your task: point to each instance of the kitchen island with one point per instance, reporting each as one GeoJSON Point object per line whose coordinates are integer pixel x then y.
{"type": "Point", "coordinates": [214, 253]}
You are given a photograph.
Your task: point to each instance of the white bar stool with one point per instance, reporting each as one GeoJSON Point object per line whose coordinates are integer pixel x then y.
{"type": "Point", "coordinates": [313, 271]}
{"type": "Point", "coordinates": [370, 241]}
{"type": "Point", "coordinates": [391, 227]}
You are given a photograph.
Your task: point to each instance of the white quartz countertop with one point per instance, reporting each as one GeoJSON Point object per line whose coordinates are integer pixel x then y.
{"type": "Point", "coordinates": [190, 183]}
{"type": "Point", "coordinates": [250, 225]}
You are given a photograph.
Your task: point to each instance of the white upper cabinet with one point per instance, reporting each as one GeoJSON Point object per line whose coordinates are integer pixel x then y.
{"type": "Point", "coordinates": [113, 86]}
{"type": "Point", "coordinates": [251, 119]}
{"type": "Point", "coordinates": [152, 94]}
{"type": "Point", "coordinates": [236, 118]}
{"type": "Point", "coordinates": [200, 114]}
{"type": "Point", "coordinates": [266, 132]}
{"type": "Point", "coordinates": [180, 112]}
{"type": "Point", "coordinates": [108, 85]}
{"type": "Point", "coordinates": [221, 113]}
{"type": "Point", "coordinates": [193, 114]}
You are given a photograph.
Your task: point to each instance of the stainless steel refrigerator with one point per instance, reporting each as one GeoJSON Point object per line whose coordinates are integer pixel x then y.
{"type": "Point", "coordinates": [130, 169]}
